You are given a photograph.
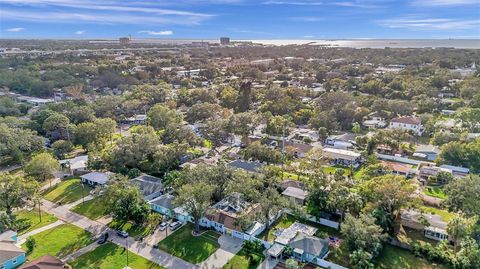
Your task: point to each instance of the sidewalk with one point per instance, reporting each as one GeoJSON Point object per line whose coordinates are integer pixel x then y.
{"type": "Point", "coordinates": [22, 238]}
{"type": "Point", "coordinates": [96, 228]}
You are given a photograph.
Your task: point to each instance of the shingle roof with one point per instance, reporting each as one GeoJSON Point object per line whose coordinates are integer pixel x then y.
{"type": "Point", "coordinates": [249, 166]}
{"type": "Point", "coordinates": [97, 177]}
{"type": "Point", "coordinates": [310, 244]}
{"type": "Point", "coordinates": [44, 262]}
{"type": "Point", "coordinates": [8, 251]}
{"type": "Point", "coordinates": [165, 201]}
{"type": "Point", "coordinates": [147, 187]}
{"type": "Point", "coordinates": [295, 193]}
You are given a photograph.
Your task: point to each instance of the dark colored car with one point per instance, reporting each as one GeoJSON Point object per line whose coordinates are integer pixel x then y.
{"type": "Point", "coordinates": [103, 238]}
{"type": "Point", "coordinates": [122, 234]}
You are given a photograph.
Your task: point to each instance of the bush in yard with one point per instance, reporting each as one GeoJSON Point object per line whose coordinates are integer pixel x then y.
{"type": "Point", "coordinates": [30, 244]}
{"type": "Point", "coordinates": [291, 264]}
{"type": "Point", "coordinates": [253, 247]}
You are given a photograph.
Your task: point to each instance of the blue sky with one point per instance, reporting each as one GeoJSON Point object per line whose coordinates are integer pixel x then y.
{"type": "Point", "coordinates": [240, 19]}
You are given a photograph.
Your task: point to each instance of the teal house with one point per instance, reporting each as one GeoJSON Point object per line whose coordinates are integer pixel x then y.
{"type": "Point", "coordinates": [11, 256]}
{"type": "Point", "coordinates": [164, 205]}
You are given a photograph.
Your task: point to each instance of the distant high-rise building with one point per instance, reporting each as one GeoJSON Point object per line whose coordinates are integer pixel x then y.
{"type": "Point", "coordinates": [124, 40]}
{"type": "Point", "coordinates": [224, 40]}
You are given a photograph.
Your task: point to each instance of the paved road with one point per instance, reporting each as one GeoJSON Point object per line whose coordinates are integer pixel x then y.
{"type": "Point", "coordinates": [141, 248]}
{"type": "Point", "coordinates": [229, 246]}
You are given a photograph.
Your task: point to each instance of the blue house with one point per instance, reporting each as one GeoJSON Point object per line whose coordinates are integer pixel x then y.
{"type": "Point", "coordinates": [164, 205]}
{"type": "Point", "coordinates": [11, 256]}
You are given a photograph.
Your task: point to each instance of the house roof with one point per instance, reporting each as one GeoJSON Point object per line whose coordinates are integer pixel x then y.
{"type": "Point", "coordinates": [397, 167]}
{"type": "Point", "coordinates": [295, 193]}
{"type": "Point", "coordinates": [340, 153]}
{"type": "Point", "coordinates": [291, 183]}
{"type": "Point", "coordinates": [309, 244]}
{"type": "Point", "coordinates": [78, 162]}
{"type": "Point", "coordinates": [297, 147]}
{"type": "Point", "coordinates": [248, 166]}
{"type": "Point", "coordinates": [7, 236]}
{"type": "Point", "coordinates": [8, 250]}
{"type": "Point", "coordinates": [97, 177]}
{"type": "Point", "coordinates": [165, 201]}
{"type": "Point", "coordinates": [433, 219]}
{"type": "Point", "coordinates": [147, 187]}
{"type": "Point", "coordinates": [230, 208]}
{"type": "Point", "coordinates": [457, 169]}
{"type": "Point", "coordinates": [427, 149]}
{"type": "Point", "coordinates": [289, 233]}
{"type": "Point", "coordinates": [406, 120]}
{"type": "Point", "coordinates": [44, 262]}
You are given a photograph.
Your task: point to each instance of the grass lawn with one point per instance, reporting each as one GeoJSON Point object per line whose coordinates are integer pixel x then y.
{"type": "Point", "coordinates": [446, 215]}
{"type": "Point", "coordinates": [242, 260]}
{"type": "Point", "coordinates": [410, 236]}
{"type": "Point", "coordinates": [132, 229]}
{"type": "Point", "coordinates": [193, 249]}
{"type": "Point", "coordinates": [67, 191]}
{"type": "Point", "coordinates": [92, 209]}
{"type": "Point", "coordinates": [287, 220]}
{"type": "Point", "coordinates": [330, 170]}
{"type": "Point", "coordinates": [34, 221]}
{"type": "Point", "coordinates": [111, 256]}
{"type": "Point", "coordinates": [397, 258]}
{"type": "Point", "coordinates": [435, 192]}
{"type": "Point", "coordinates": [294, 176]}
{"type": "Point", "coordinates": [59, 241]}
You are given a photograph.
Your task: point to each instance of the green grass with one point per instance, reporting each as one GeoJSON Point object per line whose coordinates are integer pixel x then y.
{"type": "Point", "coordinates": [92, 209]}
{"type": "Point", "coordinates": [435, 192]}
{"type": "Point", "coordinates": [33, 219]}
{"type": "Point", "coordinates": [111, 256]}
{"type": "Point", "coordinates": [59, 241]}
{"type": "Point", "coordinates": [286, 220]}
{"type": "Point", "coordinates": [330, 170]}
{"type": "Point", "coordinates": [294, 176]}
{"type": "Point", "coordinates": [446, 215]}
{"type": "Point", "coordinates": [132, 229]}
{"type": "Point", "coordinates": [396, 258]}
{"type": "Point", "coordinates": [243, 260]}
{"type": "Point", "coordinates": [67, 191]}
{"type": "Point", "coordinates": [193, 249]}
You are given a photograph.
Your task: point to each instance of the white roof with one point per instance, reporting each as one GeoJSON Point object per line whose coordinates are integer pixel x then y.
{"type": "Point", "coordinates": [288, 234]}
{"type": "Point", "coordinates": [97, 177]}
{"type": "Point", "coordinates": [340, 153]}
{"type": "Point", "coordinates": [275, 250]}
{"type": "Point", "coordinates": [295, 193]}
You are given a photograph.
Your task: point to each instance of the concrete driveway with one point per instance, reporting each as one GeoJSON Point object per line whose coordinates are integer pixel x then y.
{"type": "Point", "coordinates": [229, 246]}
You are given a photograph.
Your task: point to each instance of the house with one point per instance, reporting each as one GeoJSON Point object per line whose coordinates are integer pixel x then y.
{"type": "Point", "coordinates": [11, 256]}
{"type": "Point", "coordinates": [295, 194]}
{"type": "Point", "coordinates": [436, 229]}
{"type": "Point", "coordinates": [226, 216]}
{"type": "Point", "coordinates": [137, 119]}
{"type": "Point", "coordinates": [374, 121]}
{"type": "Point", "coordinates": [75, 166]}
{"type": "Point", "coordinates": [342, 156]}
{"type": "Point", "coordinates": [252, 167]}
{"type": "Point", "coordinates": [427, 171]}
{"type": "Point", "coordinates": [409, 123]}
{"type": "Point", "coordinates": [96, 178]}
{"type": "Point", "coordinates": [151, 187]}
{"type": "Point", "coordinates": [298, 150]}
{"type": "Point", "coordinates": [342, 141]}
{"type": "Point", "coordinates": [46, 262]}
{"type": "Point", "coordinates": [398, 168]}
{"type": "Point", "coordinates": [301, 238]}
{"type": "Point", "coordinates": [428, 152]}
{"type": "Point", "coordinates": [165, 206]}
{"type": "Point", "coordinates": [456, 170]}
{"type": "Point", "coordinates": [303, 135]}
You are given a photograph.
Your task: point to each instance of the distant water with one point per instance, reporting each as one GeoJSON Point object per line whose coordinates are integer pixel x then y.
{"type": "Point", "coordinates": [382, 43]}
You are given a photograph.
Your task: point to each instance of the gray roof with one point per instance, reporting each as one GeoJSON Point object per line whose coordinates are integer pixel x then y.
{"type": "Point", "coordinates": [165, 201]}
{"type": "Point", "coordinates": [457, 169]}
{"type": "Point", "coordinates": [7, 236]}
{"type": "Point", "coordinates": [234, 203]}
{"type": "Point", "coordinates": [295, 193]}
{"type": "Point", "coordinates": [310, 244]}
{"type": "Point", "coordinates": [147, 187]}
{"type": "Point", "coordinates": [8, 251]}
{"type": "Point", "coordinates": [97, 177]}
{"type": "Point", "coordinates": [427, 149]}
{"type": "Point", "coordinates": [149, 178]}
{"type": "Point", "coordinates": [248, 166]}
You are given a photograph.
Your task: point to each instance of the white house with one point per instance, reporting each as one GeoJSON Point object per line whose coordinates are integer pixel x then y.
{"type": "Point", "coordinates": [226, 214]}
{"type": "Point", "coordinates": [96, 178]}
{"type": "Point", "coordinates": [407, 124]}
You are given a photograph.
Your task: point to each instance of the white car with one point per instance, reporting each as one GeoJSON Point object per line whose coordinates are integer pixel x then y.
{"type": "Point", "coordinates": [175, 225]}
{"type": "Point", "coordinates": [163, 226]}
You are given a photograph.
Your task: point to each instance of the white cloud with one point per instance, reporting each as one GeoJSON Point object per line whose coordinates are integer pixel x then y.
{"type": "Point", "coordinates": [80, 32]}
{"type": "Point", "coordinates": [308, 36]}
{"type": "Point", "coordinates": [417, 23]}
{"type": "Point", "coordinates": [150, 32]}
{"type": "Point", "coordinates": [108, 11]}
{"type": "Point", "coordinates": [445, 2]}
{"type": "Point", "coordinates": [17, 29]}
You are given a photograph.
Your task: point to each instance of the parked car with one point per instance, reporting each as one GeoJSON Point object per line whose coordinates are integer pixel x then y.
{"type": "Point", "coordinates": [122, 234]}
{"type": "Point", "coordinates": [175, 225]}
{"type": "Point", "coordinates": [103, 238]}
{"type": "Point", "coordinates": [163, 226]}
